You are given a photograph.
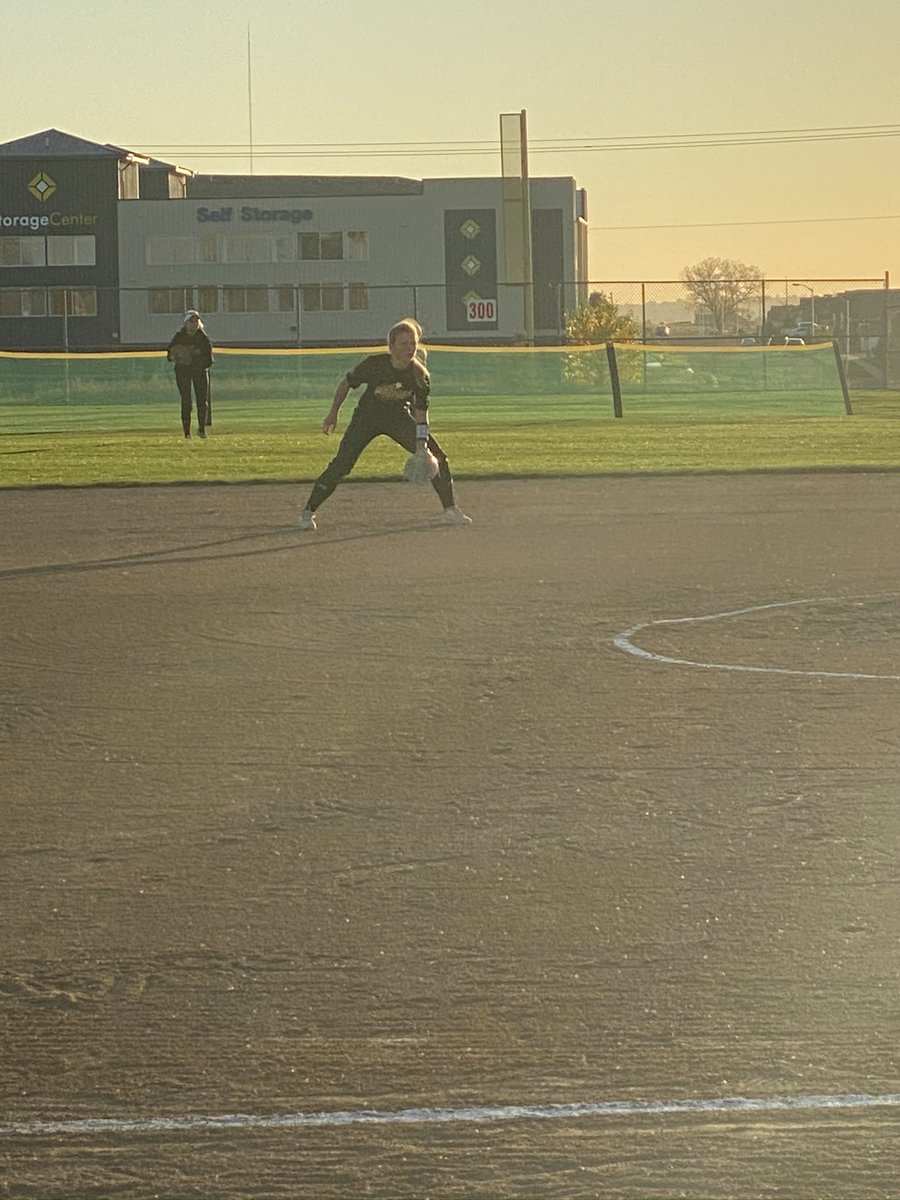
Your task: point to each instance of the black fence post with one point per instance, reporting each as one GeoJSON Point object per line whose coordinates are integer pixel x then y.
{"type": "Point", "coordinates": [842, 375]}
{"type": "Point", "coordinates": [614, 378]}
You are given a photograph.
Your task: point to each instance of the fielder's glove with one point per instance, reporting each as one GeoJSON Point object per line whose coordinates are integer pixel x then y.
{"type": "Point", "coordinates": [181, 355]}
{"type": "Point", "coordinates": [421, 467]}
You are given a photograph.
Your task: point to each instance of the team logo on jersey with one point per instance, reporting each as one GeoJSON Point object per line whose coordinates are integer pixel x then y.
{"type": "Point", "coordinates": [392, 391]}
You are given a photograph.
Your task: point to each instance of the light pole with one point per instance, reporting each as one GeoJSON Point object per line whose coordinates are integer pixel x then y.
{"type": "Point", "coordinates": [812, 306]}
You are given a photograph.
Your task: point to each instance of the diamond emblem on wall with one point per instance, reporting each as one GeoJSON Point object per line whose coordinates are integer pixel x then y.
{"type": "Point", "coordinates": [42, 186]}
{"type": "Point", "coordinates": [470, 229]}
{"type": "Point", "coordinates": [471, 265]}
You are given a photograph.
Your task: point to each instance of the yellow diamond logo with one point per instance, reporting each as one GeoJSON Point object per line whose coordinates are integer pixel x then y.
{"type": "Point", "coordinates": [42, 186]}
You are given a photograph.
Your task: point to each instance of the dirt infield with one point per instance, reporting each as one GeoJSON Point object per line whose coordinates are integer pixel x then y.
{"type": "Point", "coordinates": [382, 817]}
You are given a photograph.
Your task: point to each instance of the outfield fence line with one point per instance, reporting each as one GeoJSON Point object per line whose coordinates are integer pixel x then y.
{"type": "Point", "coordinates": [251, 308]}
{"type": "Point", "coordinates": [546, 382]}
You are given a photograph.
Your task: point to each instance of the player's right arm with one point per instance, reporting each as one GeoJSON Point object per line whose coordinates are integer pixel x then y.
{"type": "Point", "coordinates": [331, 418]}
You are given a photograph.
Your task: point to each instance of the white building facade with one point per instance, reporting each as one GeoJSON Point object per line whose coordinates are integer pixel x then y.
{"type": "Point", "coordinates": [339, 269]}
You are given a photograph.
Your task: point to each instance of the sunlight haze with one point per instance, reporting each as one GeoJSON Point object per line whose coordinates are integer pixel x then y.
{"type": "Point", "coordinates": [417, 91]}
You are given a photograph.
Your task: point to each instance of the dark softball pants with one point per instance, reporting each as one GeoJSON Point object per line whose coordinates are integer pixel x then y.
{"type": "Point", "coordinates": [369, 421]}
{"type": "Point", "coordinates": [188, 378]}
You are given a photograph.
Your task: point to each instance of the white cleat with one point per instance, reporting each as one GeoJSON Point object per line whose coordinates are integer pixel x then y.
{"type": "Point", "coordinates": [455, 516]}
{"type": "Point", "coordinates": [307, 519]}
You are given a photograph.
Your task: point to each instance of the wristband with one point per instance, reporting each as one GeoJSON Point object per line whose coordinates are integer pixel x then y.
{"type": "Point", "coordinates": [421, 433]}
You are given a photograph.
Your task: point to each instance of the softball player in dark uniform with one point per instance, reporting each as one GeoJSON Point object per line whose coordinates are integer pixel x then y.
{"type": "Point", "coordinates": [191, 352]}
{"type": "Point", "coordinates": [395, 403]}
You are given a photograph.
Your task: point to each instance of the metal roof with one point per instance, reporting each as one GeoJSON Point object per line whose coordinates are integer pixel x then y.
{"type": "Point", "coordinates": [227, 187]}
{"type": "Point", "coordinates": [54, 143]}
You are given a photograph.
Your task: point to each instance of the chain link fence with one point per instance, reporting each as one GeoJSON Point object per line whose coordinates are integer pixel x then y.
{"type": "Point", "coordinates": [861, 315]}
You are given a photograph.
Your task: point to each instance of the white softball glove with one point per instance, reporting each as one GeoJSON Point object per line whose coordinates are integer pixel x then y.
{"type": "Point", "coordinates": [421, 467]}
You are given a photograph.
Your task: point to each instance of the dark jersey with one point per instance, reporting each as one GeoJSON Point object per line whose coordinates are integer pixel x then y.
{"type": "Point", "coordinates": [407, 387]}
{"type": "Point", "coordinates": [197, 350]}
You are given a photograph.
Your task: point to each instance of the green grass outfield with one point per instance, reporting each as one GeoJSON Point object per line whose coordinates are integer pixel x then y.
{"type": "Point", "coordinates": [280, 440]}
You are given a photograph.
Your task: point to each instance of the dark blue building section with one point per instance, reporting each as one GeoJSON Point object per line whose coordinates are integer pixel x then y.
{"type": "Point", "coordinates": [548, 268]}
{"type": "Point", "coordinates": [59, 258]}
{"type": "Point", "coordinates": [470, 262]}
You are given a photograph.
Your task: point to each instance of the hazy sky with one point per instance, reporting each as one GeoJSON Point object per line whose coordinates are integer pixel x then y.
{"type": "Point", "coordinates": [172, 79]}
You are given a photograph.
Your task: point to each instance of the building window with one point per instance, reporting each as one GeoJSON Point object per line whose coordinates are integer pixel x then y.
{"type": "Point", "coordinates": [207, 299]}
{"type": "Point", "coordinates": [332, 297]}
{"type": "Point", "coordinates": [311, 298]}
{"type": "Point", "coordinates": [22, 252]}
{"type": "Point", "coordinates": [76, 251]}
{"type": "Point", "coordinates": [315, 246]}
{"type": "Point", "coordinates": [168, 251]}
{"type": "Point", "coordinates": [244, 249]}
{"type": "Point", "coordinates": [358, 245]}
{"type": "Point", "coordinates": [207, 248]}
{"type": "Point", "coordinates": [358, 297]}
{"type": "Point", "coordinates": [284, 248]}
{"type": "Point", "coordinates": [73, 302]}
{"type": "Point", "coordinates": [284, 299]}
{"type": "Point", "coordinates": [325, 297]}
{"type": "Point", "coordinates": [245, 299]}
{"type": "Point", "coordinates": [332, 245]}
{"type": "Point", "coordinates": [170, 300]}
{"type": "Point", "coordinates": [23, 302]}
{"type": "Point", "coordinates": [308, 246]}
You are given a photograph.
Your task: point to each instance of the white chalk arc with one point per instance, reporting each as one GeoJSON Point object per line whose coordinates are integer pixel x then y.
{"type": "Point", "coordinates": [487, 1114]}
{"type": "Point", "coordinates": [625, 641]}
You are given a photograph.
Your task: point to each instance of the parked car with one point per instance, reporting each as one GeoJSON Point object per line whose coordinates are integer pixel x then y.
{"type": "Point", "coordinates": [805, 330]}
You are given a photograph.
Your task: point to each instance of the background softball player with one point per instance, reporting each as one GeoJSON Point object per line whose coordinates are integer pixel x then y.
{"type": "Point", "coordinates": [191, 352]}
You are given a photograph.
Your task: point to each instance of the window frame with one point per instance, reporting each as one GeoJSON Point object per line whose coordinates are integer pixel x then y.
{"type": "Point", "coordinates": [37, 260]}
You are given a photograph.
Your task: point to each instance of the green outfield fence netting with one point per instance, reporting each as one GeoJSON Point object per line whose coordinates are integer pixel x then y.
{"type": "Point", "coordinates": [515, 382]}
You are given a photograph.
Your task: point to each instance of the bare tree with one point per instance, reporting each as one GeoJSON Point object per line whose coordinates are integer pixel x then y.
{"type": "Point", "coordinates": [721, 286]}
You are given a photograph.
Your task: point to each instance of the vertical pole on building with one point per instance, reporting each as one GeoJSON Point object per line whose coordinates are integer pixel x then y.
{"type": "Point", "coordinates": [250, 96]}
{"type": "Point", "coordinates": [527, 253]}
{"type": "Point", "coordinates": [517, 247]}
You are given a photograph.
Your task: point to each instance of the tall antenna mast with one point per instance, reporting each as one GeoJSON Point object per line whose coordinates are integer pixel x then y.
{"type": "Point", "coordinates": [250, 96]}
